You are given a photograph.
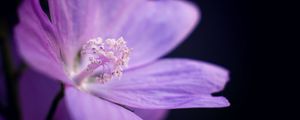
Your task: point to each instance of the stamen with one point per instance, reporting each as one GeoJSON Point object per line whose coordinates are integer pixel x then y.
{"type": "Point", "coordinates": [106, 59]}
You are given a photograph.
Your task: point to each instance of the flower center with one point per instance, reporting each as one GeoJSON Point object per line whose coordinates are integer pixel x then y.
{"type": "Point", "coordinates": [103, 60]}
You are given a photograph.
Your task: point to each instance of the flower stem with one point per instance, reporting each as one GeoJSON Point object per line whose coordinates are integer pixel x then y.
{"type": "Point", "coordinates": [12, 111]}
{"type": "Point", "coordinates": [55, 103]}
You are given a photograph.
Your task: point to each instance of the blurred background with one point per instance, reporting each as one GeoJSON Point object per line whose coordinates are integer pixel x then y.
{"type": "Point", "coordinates": [242, 36]}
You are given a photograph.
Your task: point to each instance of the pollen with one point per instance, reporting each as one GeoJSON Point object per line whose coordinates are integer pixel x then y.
{"type": "Point", "coordinates": [105, 59]}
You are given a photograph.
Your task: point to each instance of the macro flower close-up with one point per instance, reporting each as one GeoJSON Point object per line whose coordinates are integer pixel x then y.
{"type": "Point", "coordinates": [110, 50]}
{"type": "Point", "coordinates": [109, 58]}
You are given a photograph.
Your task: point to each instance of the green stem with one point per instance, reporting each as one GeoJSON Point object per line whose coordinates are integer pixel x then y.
{"type": "Point", "coordinates": [55, 103]}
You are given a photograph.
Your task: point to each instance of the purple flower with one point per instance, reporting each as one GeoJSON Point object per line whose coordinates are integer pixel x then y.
{"type": "Point", "coordinates": [88, 44]}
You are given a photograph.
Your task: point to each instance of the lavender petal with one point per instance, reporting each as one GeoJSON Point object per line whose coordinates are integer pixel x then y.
{"type": "Point", "coordinates": [152, 28]}
{"type": "Point", "coordinates": [151, 114]}
{"type": "Point", "coordinates": [155, 28]}
{"type": "Point", "coordinates": [167, 84]}
{"type": "Point", "coordinates": [83, 106]}
{"type": "Point", "coordinates": [36, 41]}
{"type": "Point", "coordinates": [36, 94]}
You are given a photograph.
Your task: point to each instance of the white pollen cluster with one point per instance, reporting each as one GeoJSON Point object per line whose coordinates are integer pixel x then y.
{"type": "Point", "coordinates": [110, 56]}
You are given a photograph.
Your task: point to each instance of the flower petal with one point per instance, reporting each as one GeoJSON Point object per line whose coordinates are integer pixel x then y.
{"type": "Point", "coordinates": [36, 94]}
{"type": "Point", "coordinates": [62, 112]}
{"type": "Point", "coordinates": [152, 28]}
{"type": "Point", "coordinates": [83, 106]}
{"type": "Point", "coordinates": [166, 84]}
{"type": "Point", "coordinates": [151, 114]}
{"type": "Point", "coordinates": [36, 40]}
{"type": "Point", "coordinates": [78, 21]}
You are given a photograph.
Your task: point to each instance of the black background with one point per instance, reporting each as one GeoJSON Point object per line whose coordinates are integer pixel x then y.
{"type": "Point", "coordinates": [247, 37]}
{"type": "Point", "coordinates": [253, 39]}
{"type": "Point", "coordinates": [224, 37]}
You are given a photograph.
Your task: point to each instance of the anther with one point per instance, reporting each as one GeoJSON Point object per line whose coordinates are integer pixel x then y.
{"type": "Point", "coordinates": [106, 59]}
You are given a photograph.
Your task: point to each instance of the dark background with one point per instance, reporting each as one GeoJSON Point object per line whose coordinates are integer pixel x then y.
{"type": "Point", "coordinates": [253, 39]}
{"type": "Point", "coordinates": [247, 37]}
{"type": "Point", "coordinates": [224, 36]}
